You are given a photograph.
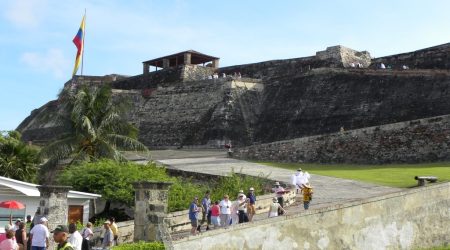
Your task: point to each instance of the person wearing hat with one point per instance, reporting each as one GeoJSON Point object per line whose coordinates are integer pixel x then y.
{"type": "Point", "coordinates": [108, 238]}
{"type": "Point", "coordinates": [242, 208]}
{"type": "Point", "coordinates": [274, 207]}
{"type": "Point", "coordinates": [39, 235]}
{"type": "Point", "coordinates": [279, 192]}
{"type": "Point", "coordinates": [61, 236]}
{"type": "Point", "coordinates": [242, 192]}
{"type": "Point", "coordinates": [296, 180]}
{"type": "Point", "coordinates": [307, 195]}
{"type": "Point", "coordinates": [251, 211]}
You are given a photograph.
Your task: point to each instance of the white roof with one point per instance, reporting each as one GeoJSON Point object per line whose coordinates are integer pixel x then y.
{"type": "Point", "coordinates": [30, 189]}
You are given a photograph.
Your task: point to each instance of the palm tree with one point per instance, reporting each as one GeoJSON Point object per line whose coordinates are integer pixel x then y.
{"type": "Point", "coordinates": [96, 128]}
{"type": "Point", "coordinates": [17, 160]}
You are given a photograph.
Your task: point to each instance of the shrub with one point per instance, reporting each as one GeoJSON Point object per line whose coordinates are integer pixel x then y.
{"type": "Point", "coordinates": [141, 246]}
{"type": "Point", "coordinates": [113, 180]}
{"type": "Point", "coordinates": [232, 184]}
{"type": "Point", "coordinates": [182, 192]}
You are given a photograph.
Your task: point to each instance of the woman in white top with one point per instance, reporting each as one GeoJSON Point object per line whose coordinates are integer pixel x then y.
{"type": "Point", "coordinates": [225, 211]}
{"type": "Point", "coordinates": [273, 210]}
{"type": "Point", "coordinates": [87, 232]}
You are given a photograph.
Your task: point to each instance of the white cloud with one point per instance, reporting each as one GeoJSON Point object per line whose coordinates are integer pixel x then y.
{"type": "Point", "coordinates": [25, 13]}
{"type": "Point", "coordinates": [52, 61]}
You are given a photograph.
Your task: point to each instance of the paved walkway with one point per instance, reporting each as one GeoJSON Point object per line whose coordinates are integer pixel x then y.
{"type": "Point", "coordinates": [327, 190]}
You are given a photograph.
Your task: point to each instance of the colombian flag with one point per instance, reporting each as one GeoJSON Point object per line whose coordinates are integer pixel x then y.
{"type": "Point", "coordinates": [78, 40]}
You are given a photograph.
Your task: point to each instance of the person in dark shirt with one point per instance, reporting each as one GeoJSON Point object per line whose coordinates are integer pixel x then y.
{"type": "Point", "coordinates": [251, 210]}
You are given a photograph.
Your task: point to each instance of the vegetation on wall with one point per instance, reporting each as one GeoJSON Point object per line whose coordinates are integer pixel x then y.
{"type": "Point", "coordinates": [18, 160]}
{"type": "Point", "coordinates": [113, 180]}
{"type": "Point", "coordinates": [97, 125]}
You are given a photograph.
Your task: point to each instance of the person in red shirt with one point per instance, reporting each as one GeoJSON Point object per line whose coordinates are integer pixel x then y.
{"type": "Point", "coordinates": [215, 212]}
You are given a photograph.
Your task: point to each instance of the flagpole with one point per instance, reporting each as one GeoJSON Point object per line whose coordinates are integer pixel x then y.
{"type": "Point", "coordinates": [84, 34]}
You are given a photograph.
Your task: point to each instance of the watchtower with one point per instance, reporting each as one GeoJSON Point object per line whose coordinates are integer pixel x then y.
{"type": "Point", "coordinates": [189, 57]}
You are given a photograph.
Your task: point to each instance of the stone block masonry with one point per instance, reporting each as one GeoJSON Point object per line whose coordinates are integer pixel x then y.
{"type": "Point", "coordinates": [414, 219]}
{"type": "Point", "coordinates": [300, 97]}
{"type": "Point", "coordinates": [424, 140]}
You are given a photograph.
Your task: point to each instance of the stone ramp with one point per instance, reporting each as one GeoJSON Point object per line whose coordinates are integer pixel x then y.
{"type": "Point", "coordinates": [327, 190]}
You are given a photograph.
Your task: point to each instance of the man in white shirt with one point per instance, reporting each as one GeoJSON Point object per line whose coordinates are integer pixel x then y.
{"type": "Point", "coordinates": [39, 235]}
{"type": "Point", "coordinates": [75, 239]}
{"type": "Point", "coordinates": [225, 211]}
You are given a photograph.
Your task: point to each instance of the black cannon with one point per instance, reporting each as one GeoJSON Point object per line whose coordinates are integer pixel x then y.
{"type": "Point", "coordinates": [422, 179]}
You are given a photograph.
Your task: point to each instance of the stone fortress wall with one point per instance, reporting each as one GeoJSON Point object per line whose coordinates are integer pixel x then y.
{"type": "Point", "coordinates": [413, 219]}
{"type": "Point", "coordinates": [295, 97]}
{"type": "Point", "coordinates": [423, 140]}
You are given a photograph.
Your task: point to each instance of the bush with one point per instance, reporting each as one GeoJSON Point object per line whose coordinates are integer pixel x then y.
{"type": "Point", "coordinates": [141, 246]}
{"type": "Point", "coordinates": [182, 192]}
{"type": "Point", "coordinates": [113, 180]}
{"type": "Point", "coordinates": [18, 160]}
{"type": "Point", "coordinates": [230, 185]}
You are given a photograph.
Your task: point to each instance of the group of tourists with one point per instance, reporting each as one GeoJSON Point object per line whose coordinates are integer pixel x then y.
{"type": "Point", "coordinates": [222, 213]}
{"type": "Point", "coordinates": [225, 212]}
{"type": "Point", "coordinates": [236, 75]}
{"type": "Point", "coordinates": [35, 235]}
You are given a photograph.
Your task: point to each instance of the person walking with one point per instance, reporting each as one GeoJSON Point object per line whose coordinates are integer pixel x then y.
{"type": "Point", "coordinates": [307, 195]}
{"type": "Point", "coordinates": [251, 210]}
{"type": "Point", "coordinates": [29, 225]}
{"type": "Point", "coordinates": [206, 211]}
{"type": "Point", "coordinates": [108, 238]}
{"type": "Point", "coordinates": [225, 211]}
{"type": "Point", "coordinates": [39, 235]}
{"type": "Point", "coordinates": [87, 235]}
{"type": "Point", "coordinates": [242, 208]}
{"type": "Point", "coordinates": [75, 239]}
{"type": "Point", "coordinates": [9, 243]}
{"type": "Point", "coordinates": [21, 236]}
{"type": "Point", "coordinates": [279, 192]}
{"type": "Point", "coordinates": [115, 230]}
{"type": "Point", "coordinates": [215, 213]}
{"type": "Point", "coordinates": [61, 236]}
{"type": "Point", "coordinates": [274, 208]}
{"type": "Point", "coordinates": [193, 215]}
{"type": "Point", "coordinates": [87, 231]}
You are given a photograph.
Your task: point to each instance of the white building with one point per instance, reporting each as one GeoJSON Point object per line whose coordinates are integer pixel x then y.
{"type": "Point", "coordinates": [28, 194]}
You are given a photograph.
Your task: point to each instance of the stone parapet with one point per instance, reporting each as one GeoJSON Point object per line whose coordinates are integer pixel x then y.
{"type": "Point", "coordinates": [400, 220]}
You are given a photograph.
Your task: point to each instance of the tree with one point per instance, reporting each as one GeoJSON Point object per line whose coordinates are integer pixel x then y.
{"type": "Point", "coordinates": [96, 128]}
{"type": "Point", "coordinates": [17, 160]}
{"type": "Point", "coordinates": [112, 179]}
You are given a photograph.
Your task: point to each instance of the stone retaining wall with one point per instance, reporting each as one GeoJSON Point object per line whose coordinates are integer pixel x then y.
{"type": "Point", "coordinates": [178, 221]}
{"type": "Point", "coordinates": [413, 219]}
{"type": "Point", "coordinates": [424, 140]}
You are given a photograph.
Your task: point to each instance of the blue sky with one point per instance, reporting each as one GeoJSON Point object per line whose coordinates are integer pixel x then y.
{"type": "Point", "coordinates": [37, 53]}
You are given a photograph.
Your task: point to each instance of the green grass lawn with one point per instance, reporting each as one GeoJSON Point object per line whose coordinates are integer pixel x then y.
{"type": "Point", "coordinates": [393, 175]}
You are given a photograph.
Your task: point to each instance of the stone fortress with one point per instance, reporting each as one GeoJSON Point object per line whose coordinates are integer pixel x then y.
{"type": "Point", "coordinates": [305, 109]}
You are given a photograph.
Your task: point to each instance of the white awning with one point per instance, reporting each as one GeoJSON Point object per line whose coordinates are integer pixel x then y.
{"type": "Point", "coordinates": [31, 190]}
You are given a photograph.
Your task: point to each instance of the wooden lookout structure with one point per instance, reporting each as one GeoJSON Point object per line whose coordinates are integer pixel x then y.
{"type": "Point", "coordinates": [189, 57]}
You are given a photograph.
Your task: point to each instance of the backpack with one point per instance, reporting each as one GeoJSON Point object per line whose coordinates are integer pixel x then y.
{"type": "Point", "coordinates": [85, 244]}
